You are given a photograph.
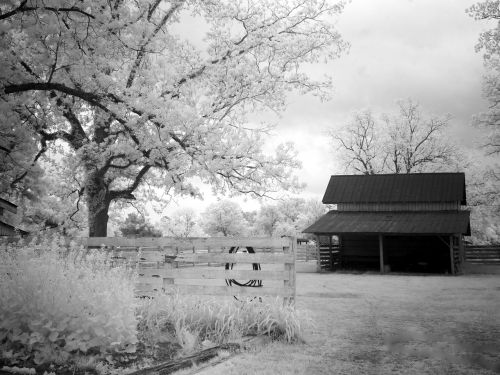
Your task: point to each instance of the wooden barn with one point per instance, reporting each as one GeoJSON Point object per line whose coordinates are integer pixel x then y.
{"type": "Point", "coordinates": [394, 222]}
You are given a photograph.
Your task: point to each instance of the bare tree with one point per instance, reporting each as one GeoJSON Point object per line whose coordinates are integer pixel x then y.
{"type": "Point", "coordinates": [359, 145]}
{"type": "Point", "coordinates": [415, 143]}
{"type": "Point", "coordinates": [402, 142]}
{"type": "Point", "coordinates": [182, 222]}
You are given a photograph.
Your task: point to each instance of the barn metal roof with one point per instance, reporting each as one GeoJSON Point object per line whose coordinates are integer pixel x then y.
{"type": "Point", "coordinates": [436, 222]}
{"type": "Point", "coordinates": [392, 188]}
{"type": "Point", "coordinates": [8, 205]}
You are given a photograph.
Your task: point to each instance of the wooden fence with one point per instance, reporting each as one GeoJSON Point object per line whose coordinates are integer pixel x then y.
{"type": "Point", "coordinates": [306, 253]}
{"type": "Point", "coordinates": [329, 253]}
{"type": "Point", "coordinates": [208, 266]}
{"type": "Point", "coordinates": [489, 254]}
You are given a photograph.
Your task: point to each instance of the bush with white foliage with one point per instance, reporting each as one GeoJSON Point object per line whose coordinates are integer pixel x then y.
{"type": "Point", "coordinates": [58, 301]}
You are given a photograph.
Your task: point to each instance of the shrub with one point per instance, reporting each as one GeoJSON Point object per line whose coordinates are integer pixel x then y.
{"type": "Point", "coordinates": [57, 301]}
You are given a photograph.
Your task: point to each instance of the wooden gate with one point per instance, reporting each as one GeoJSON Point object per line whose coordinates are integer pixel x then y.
{"type": "Point", "coordinates": [208, 266]}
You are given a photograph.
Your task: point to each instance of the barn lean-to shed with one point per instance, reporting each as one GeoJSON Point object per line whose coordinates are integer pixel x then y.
{"type": "Point", "coordinates": [397, 222]}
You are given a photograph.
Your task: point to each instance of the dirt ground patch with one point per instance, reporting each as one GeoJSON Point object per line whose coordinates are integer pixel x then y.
{"type": "Point", "coordinates": [387, 324]}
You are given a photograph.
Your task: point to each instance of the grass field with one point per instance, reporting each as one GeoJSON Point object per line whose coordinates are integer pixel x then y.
{"type": "Point", "coordinates": [387, 324]}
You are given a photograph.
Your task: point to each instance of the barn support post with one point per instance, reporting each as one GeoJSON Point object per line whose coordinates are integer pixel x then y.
{"type": "Point", "coordinates": [318, 253]}
{"type": "Point", "coordinates": [452, 260]}
{"type": "Point", "coordinates": [339, 237]}
{"type": "Point", "coordinates": [461, 251]}
{"type": "Point", "coordinates": [330, 247]}
{"type": "Point", "coordinates": [381, 250]}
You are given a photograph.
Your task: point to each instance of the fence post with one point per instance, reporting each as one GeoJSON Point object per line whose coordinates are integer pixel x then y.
{"type": "Point", "coordinates": [293, 273]}
{"type": "Point", "coordinates": [290, 267]}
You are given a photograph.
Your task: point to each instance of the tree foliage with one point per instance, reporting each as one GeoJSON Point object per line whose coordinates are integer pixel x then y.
{"type": "Point", "coordinates": [135, 225]}
{"type": "Point", "coordinates": [132, 103]}
{"type": "Point", "coordinates": [182, 223]}
{"type": "Point", "coordinates": [289, 217]}
{"type": "Point", "coordinates": [406, 141]}
{"type": "Point", "coordinates": [484, 185]}
{"type": "Point", "coordinates": [489, 43]}
{"type": "Point", "coordinates": [483, 199]}
{"type": "Point", "coordinates": [224, 218]}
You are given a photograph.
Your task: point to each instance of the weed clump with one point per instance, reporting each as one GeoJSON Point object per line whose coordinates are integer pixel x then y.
{"type": "Point", "coordinates": [201, 322]}
{"type": "Point", "coordinates": [58, 302]}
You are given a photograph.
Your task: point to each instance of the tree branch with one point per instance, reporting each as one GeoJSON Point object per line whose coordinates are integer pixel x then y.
{"type": "Point", "coordinates": [142, 49]}
{"type": "Point", "coordinates": [128, 192]}
{"type": "Point", "coordinates": [23, 8]}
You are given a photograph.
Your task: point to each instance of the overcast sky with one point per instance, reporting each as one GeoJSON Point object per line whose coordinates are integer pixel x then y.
{"type": "Point", "coordinates": [423, 49]}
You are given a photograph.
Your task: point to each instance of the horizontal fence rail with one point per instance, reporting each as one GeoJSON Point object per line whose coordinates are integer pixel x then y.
{"type": "Point", "coordinates": [202, 266]}
{"type": "Point", "coordinates": [201, 243]}
{"type": "Point", "coordinates": [488, 254]}
{"type": "Point", "coordinates": [305, 253]}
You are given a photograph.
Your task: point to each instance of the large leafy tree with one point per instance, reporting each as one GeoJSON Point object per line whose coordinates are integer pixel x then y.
{"type": "Point", "coordinates": [131, 102]}
{"type": "Point", "coordinates": [483, 198]}
{"type": "Point", "coordinates": [484, 185]}
{"type": "Point", "coordinates": [489, 43]}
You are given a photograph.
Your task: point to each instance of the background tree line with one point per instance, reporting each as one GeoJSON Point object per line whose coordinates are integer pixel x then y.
{"type": "Point", "coordinates": [226, 218]}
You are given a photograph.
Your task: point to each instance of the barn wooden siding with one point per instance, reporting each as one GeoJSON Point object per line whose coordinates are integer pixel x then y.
{"type": "Point", "coordinates": [404, 206]}
{"type": "Point", "coordinates": [359, 251]}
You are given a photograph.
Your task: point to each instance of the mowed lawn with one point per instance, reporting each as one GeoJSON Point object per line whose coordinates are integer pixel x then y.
{"type": "Point", "coordinates": [387, 324]}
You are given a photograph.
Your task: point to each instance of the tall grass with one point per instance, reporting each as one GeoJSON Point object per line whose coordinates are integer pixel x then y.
{"type": "Point", "coordinates": [197, 321]}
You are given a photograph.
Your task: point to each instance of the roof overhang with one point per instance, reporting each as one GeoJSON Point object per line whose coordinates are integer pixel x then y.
{"type": "Point", "coordinates": [424, 223]}
{"type": "Point", "coordinates": [20, 231]}
{"type": "Point", "coordinates": [8, 206]}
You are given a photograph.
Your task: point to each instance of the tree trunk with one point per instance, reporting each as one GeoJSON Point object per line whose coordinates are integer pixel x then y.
{"type": "Point", "coordinates": [98, 201]}
{"type": "Point", "coordinates": [98, 222]}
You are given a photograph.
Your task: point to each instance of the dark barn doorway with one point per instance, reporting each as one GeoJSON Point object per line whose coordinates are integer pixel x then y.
{"type": "Point", "coordinates": [426, 254]}
{"type": "Point", "coordinates": [360, 252]}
